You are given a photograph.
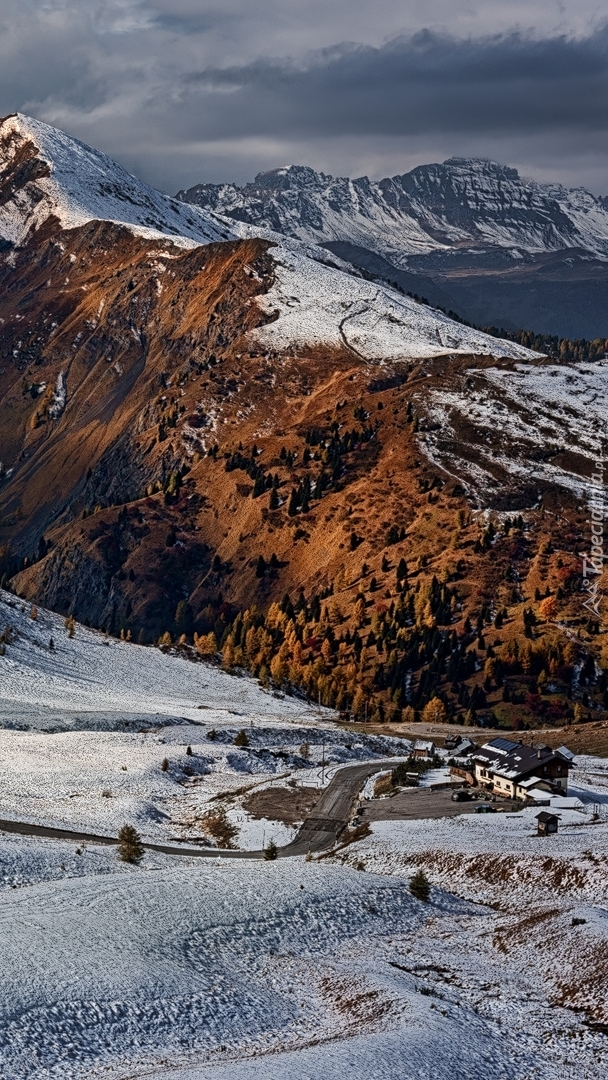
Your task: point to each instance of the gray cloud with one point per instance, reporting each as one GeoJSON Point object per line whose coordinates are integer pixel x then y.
{"type": "Point", "coordinates": [428, 83]}
{"type": "Point", "coordinates": [186, 90]}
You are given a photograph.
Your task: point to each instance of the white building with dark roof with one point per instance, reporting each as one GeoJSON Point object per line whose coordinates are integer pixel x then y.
{"type": "Point", "coordinates": [512, 769]}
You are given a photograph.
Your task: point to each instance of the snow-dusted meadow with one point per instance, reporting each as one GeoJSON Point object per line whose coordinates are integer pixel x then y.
{"type": "Point", "coordinates": [230, 970]}
{"type": "Point", "coordinates": [315, 304]}
{"type": "Point", "coordinates": [247, 970]}
{"type": "Point", "coordinates": [537, 423]}
{"type": "Point", "coordinates": [86, 726]}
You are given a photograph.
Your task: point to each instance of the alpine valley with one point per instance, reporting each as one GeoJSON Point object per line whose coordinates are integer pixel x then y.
{"type": "Point", "coordinates": [226, 427]}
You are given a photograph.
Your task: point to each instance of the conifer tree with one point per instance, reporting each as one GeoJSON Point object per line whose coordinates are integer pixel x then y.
{"type": "Point", "coordinates": [420, 886]}
{"type": "Point", "coordinates": [130, 847]}
{"type": "Point", "coordinates": [271, 851]}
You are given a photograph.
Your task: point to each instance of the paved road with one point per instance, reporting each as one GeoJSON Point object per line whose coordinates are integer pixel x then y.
{"type": "Point", "coordinates": [332, 812]}
{"type": "Point", "coordinates": [317, 833]}
{"type": "Point", "coordinates": [416, 804]}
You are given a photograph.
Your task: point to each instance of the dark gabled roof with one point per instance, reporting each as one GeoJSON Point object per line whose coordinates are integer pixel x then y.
{"type": "Point", "coordinates": [464, 742]}
{"type": "Point", "coordinates": [514, 761]}
{"type": "Point", "coordinates": [546, 817]}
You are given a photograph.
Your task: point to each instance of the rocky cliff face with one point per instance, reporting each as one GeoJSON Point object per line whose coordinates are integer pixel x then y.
{"type": "Point", "coordinates": [484, 235]}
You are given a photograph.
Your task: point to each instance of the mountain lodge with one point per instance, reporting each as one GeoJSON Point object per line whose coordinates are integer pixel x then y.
{"type": "Point", "coordinates": [511, 769]}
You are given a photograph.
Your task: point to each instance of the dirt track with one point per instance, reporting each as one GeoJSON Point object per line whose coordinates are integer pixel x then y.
{"type": "Point", "coordinates": [580, 738]}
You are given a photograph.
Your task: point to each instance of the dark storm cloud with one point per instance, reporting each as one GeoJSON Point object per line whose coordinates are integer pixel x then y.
{"type": "Point", "coordinates": [189, 90]}
{"type": "Point", "coordinates": [428, 83]}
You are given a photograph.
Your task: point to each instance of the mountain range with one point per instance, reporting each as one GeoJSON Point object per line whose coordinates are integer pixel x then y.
{"type": "Point", "coordinates": [470, 235]}
{"type": "Point", "coordinates": [201, 417]}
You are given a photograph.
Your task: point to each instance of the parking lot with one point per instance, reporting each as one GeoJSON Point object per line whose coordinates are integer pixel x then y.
{"type": "Point", "coordinates": [416, 803]}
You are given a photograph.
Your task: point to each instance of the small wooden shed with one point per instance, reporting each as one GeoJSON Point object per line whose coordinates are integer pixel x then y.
{"type": "Point", "coordinates": [547, 823]}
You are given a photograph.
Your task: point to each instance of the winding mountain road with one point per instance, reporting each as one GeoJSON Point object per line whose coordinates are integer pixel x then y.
{"type": "Point", "coordinates": [317, 833]}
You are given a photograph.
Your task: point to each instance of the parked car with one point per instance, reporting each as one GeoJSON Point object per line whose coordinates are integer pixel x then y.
{"type": "Point", "coordinates": [461, 796]}
{"type": "Point", "coordinates": [485, 808]}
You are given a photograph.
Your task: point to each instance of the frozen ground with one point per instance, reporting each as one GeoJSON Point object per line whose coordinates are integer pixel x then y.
{"type": "Point", "coordinates": [92, 680]}
{"type": "Point", "coordinates": [268, 970]}
{"type": "Point", "coordinates": [550, 894]}
{"type": "Point", "coordinates": [506, 847]}
{"type": "Point", "coordinates": [235, 970]}
{"type": "Point", "coordinates": [318, 305]}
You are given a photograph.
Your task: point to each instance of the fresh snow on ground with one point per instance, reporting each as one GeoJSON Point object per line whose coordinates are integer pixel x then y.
{"type": "Point", "coordinates": [550, 895]}
{"type": "Point", "coordinates": [528, 416]}
{"type": "Point", "coordinates": [27, 860]}
{"type": "Point", "coordinates": [85, 728]}
{"type": "Point", "coordinates": [264, 970]}
{"type": "Point", "coordinates": [319, 305]}
{"type": "Point", "coordinates": [318, 298]}
{"type": "Point", "coordinates": [268, 970]}
{"type": "Point", "coordinates": [91, 674]}
{"type": "Point", "coordinates": [256, 833]}
{"type": "Point", "coordinates": [229, 970]}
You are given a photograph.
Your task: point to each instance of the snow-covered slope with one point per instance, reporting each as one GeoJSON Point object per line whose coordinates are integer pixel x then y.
{"type": "Point", "coordinates": [44, 173]}
{"type": "Point", "coordinates": [264, 971]}
{"type": "Point", "coordinates": [316, 304]}
{"type": "Point", "coordinates": [461, 203]}
{"type": "Point", "coordinates": [85, 727]}
{"type": "Point", "coordinates": [533, 425]}
{"type": "Point", "coordinates": [98, 676]}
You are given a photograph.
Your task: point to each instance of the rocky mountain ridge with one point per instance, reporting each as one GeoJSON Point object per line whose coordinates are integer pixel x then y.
{"type": "Point", "coordinates": [463, 203]}
{"type": "Point", "coordinates": [472, 234]}
{"type": "Point", "coordinates": [45, 173]}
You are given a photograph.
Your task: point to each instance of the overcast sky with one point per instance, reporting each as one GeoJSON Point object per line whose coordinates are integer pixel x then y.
{"type": "Point", "coordinates": [182, 91]}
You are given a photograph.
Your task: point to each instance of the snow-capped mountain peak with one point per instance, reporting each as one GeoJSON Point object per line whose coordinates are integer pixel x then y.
{"type": "Point", "coordinates": [46, 173]}
{"type": "Point", "coordinates": [462, 202]}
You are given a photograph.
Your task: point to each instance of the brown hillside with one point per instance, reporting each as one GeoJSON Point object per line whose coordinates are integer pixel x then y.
{"type": "Point", "coordinates": [189, 476]}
